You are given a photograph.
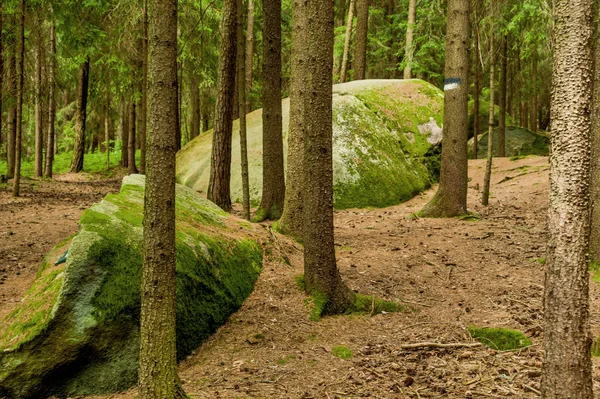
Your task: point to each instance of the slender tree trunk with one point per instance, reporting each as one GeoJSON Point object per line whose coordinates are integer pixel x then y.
{"type": "Point", "coordinates": [11, 89]}
{"type": "Point", "coordinates": [510, 87]}
{"type": "Point", "coordinates": [477, 82]}
{"type": "Point", "coordinates": [490, 150]}
{"type": "Point", "coordinates": [2, 93]}
{"type": "Point", "coordinates": [195, 104]}
{"type": "Point", "coordinates": [321, 275]}
{"type": "Point", "coordinates": [567, 366]}
{"type": "Point", "coordinates": [107, 129]}
{"type": "Point", "coordinates": [347, 42]}
{"type": "Point", "coordinates": [451, 197]}
{"type": "Point", "coordinates": [220, 168]}
{"type": "Point", "coordinates": [533, 104]}
{"type": "Point", "coordinates": [241, 79]}
{"type": "Point", "coordinates": [179, 92]}
{"type": "Point", "coordinates": [39, 138]}
{"type": "Point", "coordinates": [124, 132]}
{"type": "Point", "coordinates": [273, 191]}
{"type": "Point", "coordinates": [80, 121]}
{"type": "Point", "coordinates": [292, 220]}
{"type": "Point", "coordinates": [158, 378]}
{"type": "Point", "coordinates": [131, 168]}
{"type": "Point", "coordinates": [20, 76]}
{"type": "Point", "coordinates": [249, 54]}
{"type": "Point", "coordinates": [362, 30]}
{"type": "Point", "coordinates": [144, 100]}
{"type": "Point", "coordinates": [409, 48]}
{"type": "Point", "coordinates": [502, 99]}
{"type": "Point", "coordinates": [51, 103]}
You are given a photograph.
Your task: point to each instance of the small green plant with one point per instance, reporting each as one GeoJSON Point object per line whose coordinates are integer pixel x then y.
{"type": "Point", "coordinates": [371, 305]}
{"type": "Point", "coordinates": [502, 339]}
{"type": "Point", "coordinates": [285, 360]}
{"type": "Point", "coordinates": [594, 268]}
{"type": "Point", "coordinates": [342, 352]}
{"type": "Point", "coordinates": [541, 261]}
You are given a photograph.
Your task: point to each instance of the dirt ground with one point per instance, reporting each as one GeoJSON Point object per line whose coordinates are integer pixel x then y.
{"type": "Point", "coordinates": [453, 273]}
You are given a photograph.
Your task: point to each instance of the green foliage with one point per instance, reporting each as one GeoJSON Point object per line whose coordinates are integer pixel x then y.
{"type": "Point", "coordinates": [369, 305]}
{"type": "Point", "coordinates": [502, 339]}
{"type": "Point", "coordinates": [594, 269]}
{"type": "Point", "coordinates": [342, 352]}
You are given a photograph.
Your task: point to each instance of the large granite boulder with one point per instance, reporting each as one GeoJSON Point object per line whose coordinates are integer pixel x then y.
{"type": "Point", "coordinates": [385, 136]}
{"type": "Point", "coordinates": [77, 329]}
{"type": "Point", "coordinates": [518, 142]}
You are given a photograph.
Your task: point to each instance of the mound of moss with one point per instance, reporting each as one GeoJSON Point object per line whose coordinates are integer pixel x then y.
{"type": "Point", "coordinates": [77, 330]}
{"type": "Point", "coordinates": [502, 339]}
{"type": "Point", "coordinates": [519, 142]}
{"type": "Point", "coordinates": [385, 144]}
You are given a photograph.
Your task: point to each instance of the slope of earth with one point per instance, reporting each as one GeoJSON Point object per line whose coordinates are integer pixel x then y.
{"type": "Point", "coordinates": [383, 134]}
{"type": "Point", "coordinates": [454, 273]}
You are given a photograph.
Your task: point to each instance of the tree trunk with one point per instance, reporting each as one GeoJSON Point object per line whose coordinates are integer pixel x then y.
{"type": "Point", "coordinates": [179, 92]}
{"type": "Point", "coordinates": [20, 76]}
{"type": "Point", "coordinates": [502, 99]}
{"type": "Point", "coordinates": [292, 220]}
{"type": "Point", "coordinates": [451, 197]}
{"type": "Point", "coordinates": [107, 129]}
{"type": "Point", "coordinates": [249, 54]}
{"type": "Point", "coordinates": [51, 102]}
{"type": "Point", "coordinates": [131, 168]}
{"type": "Point", "coordinates": [321, 275]}
{"type": "Point", "coordinates": [158, 378]}
{"type": "Point", "coordinates": [477, 82]}
{"type": "Point", "coordinates": [347, 42]}
{"type": "Point", "coordinates": [567, 366]}
{"type": "Point", "coordinates": [273, 191]}
{"type": "Point", "coordinates": [490, 150]}
{"type": "Point", "coordinates": [39, 138]}
{"type": "Point", "coordinates": [195, 105]}
{"type": "Point", "coordinates": [2, 49]}
{"type": "Point", "coordinates": [11, 89]}
{"type": "Point", "coordinates": [79, 144]}
{"type": "Point", "coordinates": [220, 168]}
{"type": "Point", "coordinates": [241, 80]}
{"type": "Point", "coordinates": [533, 104]}
{"type": "Point", "coordinates": [362, 30]}
{"type": "Point", "coordinates": [144, 99]}
{"type": "Point", "coordinates": [409, 48]}
{"type": "Point", "coordinates": [124, 131]}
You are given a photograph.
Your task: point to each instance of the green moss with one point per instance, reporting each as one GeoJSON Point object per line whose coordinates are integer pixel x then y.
{"type": "Point", "coordinates": [500, 338]}
{"type": "Point", "coordinates": [594, 268]}
{"type": "Point", "coordinates": [541, 261]}
{"type": "Point", "coordinates": [286, 360]}
{"type": "Point", "coordinates": [300, 282]}
{"type": "Point", "coordinates": [596, 348]}
{"type": "Point", "coordinates": [519, 142]}
{"type": "Point", "coordinates": [370, 305]}
{"type": "Point", "coordinates": [342, 352]}
{"type": "Point", "coordinates": [469, 217]}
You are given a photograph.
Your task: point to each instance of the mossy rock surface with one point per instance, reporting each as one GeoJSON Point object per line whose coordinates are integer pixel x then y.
{"type": "Point", "coordinates": [484, 116]}
{"type": "Point", "coordinates": [385, 144]}
{"type": "Point", "coordinates": [77, 330]}
{"type": "Point", "coordinates": [519, 141]}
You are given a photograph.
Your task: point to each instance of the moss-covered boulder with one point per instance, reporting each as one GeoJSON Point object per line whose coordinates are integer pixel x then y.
{"type": "Point", "coordinates": [384, 134]}
{"type": "Point", "coordinates": [484, 116]}
{"type": "Point", "coordinates": [77, 329]}
{"type": "Point", "coordinates": [519, 141]}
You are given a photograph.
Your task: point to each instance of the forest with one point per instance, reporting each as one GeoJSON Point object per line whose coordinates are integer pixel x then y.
{"type": "Point", "coordinates": [299, 199]}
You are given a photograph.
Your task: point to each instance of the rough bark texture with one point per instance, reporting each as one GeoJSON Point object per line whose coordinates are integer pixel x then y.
{"type": "Point", "coordinates": [80, 121]}
{"type": "Point", "coordinates": [11, 86]}
{"type": "Point", "coordinates": [347, 38]}
{"type": "Point", "coordinates": [409, 48]}
{"type": "Point", "coordinates": [451, 197]}
{"type": "Point", "coordinates": [220, 167]}
{"type": "Point", "coordinates": [502, 99]}
{"type": "Point", "coordinates": [144, 100]}
{"type": "Point", "coordinates": [595, 159]}
{"type": "Point", "coordinates": [241, 80]}
{"type": "Point", "coordinates": [39, 138]}
{"type": "Point", "coordinates": [362, 30]}
{"type": "Point", "coordinates": [273, 193]}
{"type": "Point", "coordinates": [249, 54]}
{"type": "Point", "coordinates": [124, 131]}
{"type": "Point", "coordinates": [19, 112]}
{"type": "Point", "coordinates": [488, 165]}
{"type": "Point", "coordinates": [2, 49]}
{"type": "Point", "coordinates": [567, 367]}
{"type": "Point", "coordinates": [131, 168]}
{"type": "Point", "coordinates": [321, 275]}
{"type": "Point", "coordinates": [291, 220]}
{"type": "Point", "coordinates": [533, 103]}
{"type": "Point", "coordinates": [51, 103]}
{"type": "Point", "coordinates": [158, 378]}
{"type": "Point", "coordinates": [477, 81]}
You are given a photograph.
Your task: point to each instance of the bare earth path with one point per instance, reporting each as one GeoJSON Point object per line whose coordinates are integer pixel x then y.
{"type": "Point", "coordinates": [453, 273]}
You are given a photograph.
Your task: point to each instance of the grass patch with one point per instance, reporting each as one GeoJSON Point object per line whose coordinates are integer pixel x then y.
{"type": "Point", "coordinates": [541, 261]}
{"type": "Point", "coordinates": [594, 268]}
{"type": "Point", "coordinates": [502, 339]}
{"type": "Point", "coordinates": [369, 304]}
{"type": "Point", "coordinates": [285, 360]}
{"type": "Point", "coordinates": [342, 352]}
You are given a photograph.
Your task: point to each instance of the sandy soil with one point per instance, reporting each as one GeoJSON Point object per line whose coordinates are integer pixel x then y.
{"type": "Point", "coordinates": [453, 273]}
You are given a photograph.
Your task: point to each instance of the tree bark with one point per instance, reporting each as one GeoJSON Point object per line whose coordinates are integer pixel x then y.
{"type": "Point", "coordinates": [144, 99]}
{"type": "Point", "coordinates": [567, 367]}
{"type": "Point", "coordinates": [347, 38]}
{"type": "Point", "coordinates": [39, 138]}
{"type": "Point", "coordinates": [241, 79]}
{"type": "Point", "coordinates": [362, 30]}
{"type": "Point", "coordinates": [249, 54]}
{"type": "Point", "coordinates": [409, 48]}
{"type": "Point", "coordinates": [107, 128]}
{"type": "Point", "coordinates": [502, 99]}
{"type": "Point", "coordinates": [194, 105]}
{"type": "Point", "coordinates": [131, 168]}
{"type": "Point", "coordinates": [158, 378]}
{"type": "Point", "coordinates": [51, 103]}
{"type": "Point", "coordinates": [20, 76]}
{"type": "Point", "coordinates": [533, 104]}
{"type": "Point", "coordinates": [477, 82]}
{"type": "Point", "coordinates": [273, 191]}
{"type": "Point", "coordinates": [220, 167]}
{"type": "Point", "coordinates": [321, 275]}
{"type": "Point", "coordinates": [490, 150]}
{"type": "Point", "coordinates": [451, 197]}
{"type": "Point", "coordinates": [80, 121]}
{"type": "Point", "coordinates": [11, 89]}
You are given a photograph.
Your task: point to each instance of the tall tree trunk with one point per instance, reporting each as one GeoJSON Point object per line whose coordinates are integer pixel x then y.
{"type": "Point", "coordinates": [2, 93]}
{"type": "Point", "coordinates": [124, 131]}
{"type": "Point", "coordinates": [451, 197]}
{"type": "Point", "coordinates": [567, 366]}
{"type": "Point", "coordinates": [490, 150]}
{"type": "Point", "coordinates": [292, 220]}
{"type": "Point", "coordinates": [320, 271]}
{"type": "Point", "coordinates": [39, 138]}
{"type": "Point", "coordinates": [241, 80]}
{"type": "Point", "coordinates": [131, 168]}
{"type": "Point", "coordinates": [20, 76]}
{"type": "Point", "coordinates": [51, 102]}
{"type": "Point", "coordinates": [409, 48]}
{"type": "Point", "coordinates": [249, 54]}
{"type": "Point", "coordinates": [362, 31]}
{"type": "Point", "coordinates": [220, 167]}
{"type": "Point", "coordinates": [347, 42]}
{"type": "Point", "coordinates": [273, 191]}
{"type": "Point", "coordinates": [195, 104]}
{"type": "Point", "coordinates": [158, 378]}
{"type": "Point", "coordinates": [107, 129]}
{"type": "Point", "coordinates": [144, 99]}
{"type": "Point", "coordinates": [80, 121]}
{"type": "Point", "coordinates": [477, 82]}
{"type": "Point", "coordinates": [533, 104]}
{"type": "Point", "coordinates": [179, 92]}
{"type": "Point", "coordinates": [11, 89]}
{"type": "Point", "coordinates": [502, 99]}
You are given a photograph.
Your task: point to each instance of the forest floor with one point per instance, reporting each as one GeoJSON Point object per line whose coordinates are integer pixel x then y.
{"type": "Point", "coordinates": [453, 273]}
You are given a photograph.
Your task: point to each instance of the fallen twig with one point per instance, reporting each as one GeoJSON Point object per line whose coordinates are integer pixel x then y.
{"type": "Point", "coordinates": [440, 345]}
